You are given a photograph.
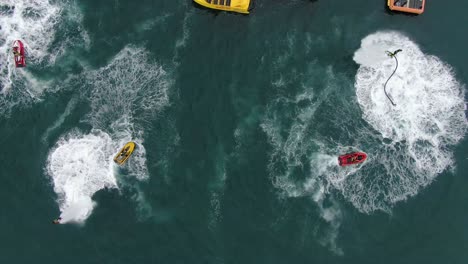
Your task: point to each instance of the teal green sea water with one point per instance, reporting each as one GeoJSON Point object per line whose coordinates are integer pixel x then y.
{"type": "Point", "coordinates": [238, 121]}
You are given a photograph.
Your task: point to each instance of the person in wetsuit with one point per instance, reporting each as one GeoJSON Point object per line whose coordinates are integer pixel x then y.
{"type": "Point", "coordinates": [392, 54]}
{"type": "Point", "coordinates": [124, 152]}
{"type": "Point", "coordinates": [16, 51]}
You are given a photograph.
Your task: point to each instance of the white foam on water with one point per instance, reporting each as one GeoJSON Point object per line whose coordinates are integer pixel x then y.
{"type": "Point", "coordinates": [130, 85]}
{"type": "Point", "coordinates": [127, 94]}
{"type": "Point", "coordinates": [427, 120]}
{"type": "Point", "coordinates": [413, 143]}
{"type": "Point", "coordinates": [329, 209]}
{"type": "Point", "coordinates": [408, 145]}
{"type": "Point", "coordinates": [122, 132]}
{"type": "Point", "coordinates": [80, 165]}
{"type": "Point", "coordinates": [36, 23]}
{"type": "Point", "coordinates": [289, 127]}
{"type": "Point", "coordinates": [31, 21]}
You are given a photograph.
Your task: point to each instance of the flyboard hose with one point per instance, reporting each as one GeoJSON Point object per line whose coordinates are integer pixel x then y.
{"type": "Point", "coordinates": [392, 55]}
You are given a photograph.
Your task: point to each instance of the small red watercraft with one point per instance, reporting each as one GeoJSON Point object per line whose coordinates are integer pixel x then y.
{"type": "Point", "coordinates": [18, 52]}
{"type": "Point", "coordinates": [352, 158]}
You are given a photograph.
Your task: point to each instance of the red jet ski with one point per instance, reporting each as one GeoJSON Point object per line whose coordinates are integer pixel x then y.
{"type": "Point", "coordinates": [18, 51]}
{"type": "Point", "coordinates": [352, 158]}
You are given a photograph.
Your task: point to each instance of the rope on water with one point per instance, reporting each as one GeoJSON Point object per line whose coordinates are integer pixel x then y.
{"type": "Point", "coordinates": [393, 55]}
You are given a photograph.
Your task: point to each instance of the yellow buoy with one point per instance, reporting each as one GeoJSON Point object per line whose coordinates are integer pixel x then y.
{"type": "Point", "coordinates": [124, 153]}
{"type": "Point", "coordinates": [239, 6]}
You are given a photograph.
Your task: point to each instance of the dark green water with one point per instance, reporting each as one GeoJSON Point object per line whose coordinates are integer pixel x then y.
{"type": "Point", "coordinates": [234, 116]}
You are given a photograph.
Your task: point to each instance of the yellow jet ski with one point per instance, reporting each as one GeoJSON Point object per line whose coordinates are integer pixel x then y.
{"type": "Point", "coordinates": [124, 153]}
{"type": "Point", "coordinates": [239, 6]}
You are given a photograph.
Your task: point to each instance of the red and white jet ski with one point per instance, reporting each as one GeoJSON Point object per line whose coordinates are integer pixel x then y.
{"type": "Point", "coordinates": [18, 52]}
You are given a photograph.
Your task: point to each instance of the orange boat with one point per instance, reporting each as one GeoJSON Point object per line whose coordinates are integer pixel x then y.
{"type": "Point", "coordinates": [407, 6]}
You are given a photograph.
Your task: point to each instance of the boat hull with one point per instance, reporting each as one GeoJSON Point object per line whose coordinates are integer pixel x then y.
{"type": "Point", "coordinates": [20, 58]}
{"type": "Point", "coordinates": [239, 6]}
{"type": "Point", "coordinates": [352, 158]}
{"type": "Point", "coordinates": [125, 153]}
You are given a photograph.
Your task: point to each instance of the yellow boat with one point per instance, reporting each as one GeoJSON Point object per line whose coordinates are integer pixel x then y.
{"type": "Point", "coordinates": [239, 6]}
{"type": "Point", "coordinates": [124, 153]}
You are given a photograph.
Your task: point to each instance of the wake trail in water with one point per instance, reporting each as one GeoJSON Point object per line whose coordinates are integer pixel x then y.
{"type": "Point", "coordinates": [80, 165]}
{"type": "Point", "coordinates": [32, 22]}
{"type": "Point", "coordinates": [413, 140]}
{"type": "Point", "coordinates": [129, 86]}
{"type": "Point", "coordinates": [407, 145]}
{"type": "Point", "coordinates": [418, 132]}
{"type": "Point", "coordinates": [35, 23]}
{"type": "Point", "coordinates": [297, 166]}
{"type": "Point", "coordinates": [125, 94]}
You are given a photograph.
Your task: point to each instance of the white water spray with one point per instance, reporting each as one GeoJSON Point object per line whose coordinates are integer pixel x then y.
{"type": "Point", "coordinates": [82, 164]}
{"type": "Point", "coordinates": [33, 22]}
{"type": "Point", "coordinates": [428, 119]}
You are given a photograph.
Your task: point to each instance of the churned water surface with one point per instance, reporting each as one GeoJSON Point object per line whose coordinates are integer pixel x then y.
{"type": "Point", "coordinates": [238, 121]}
